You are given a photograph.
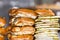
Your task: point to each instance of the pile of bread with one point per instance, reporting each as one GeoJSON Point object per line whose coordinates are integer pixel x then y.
{"type": "Point", "coordinates": [47, 25]}
{"type": "Point", "coordinates": [22, 24]}
{"type": "Point", "coordinates": [2, 29]}
{"type": "Point", "coordinates": [27, 24]}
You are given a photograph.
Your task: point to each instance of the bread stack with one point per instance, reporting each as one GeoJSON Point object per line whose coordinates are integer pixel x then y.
{"type": "Point", "coordinates": [47, 25]}
{"type": "Point", "coordinates": [22, 24]}
{"type": "Point", "coordinates": [2, 29]}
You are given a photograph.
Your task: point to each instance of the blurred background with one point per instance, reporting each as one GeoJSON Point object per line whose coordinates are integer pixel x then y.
{"type": "Point", "coordinates": [31, 3]}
